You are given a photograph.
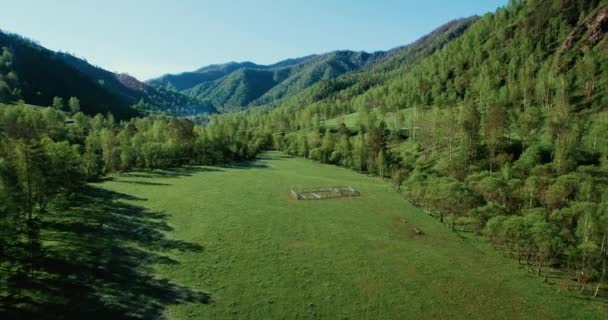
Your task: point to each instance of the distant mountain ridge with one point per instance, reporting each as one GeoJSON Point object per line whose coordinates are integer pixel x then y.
{"type": "Point", "coordinates": [37, 75]}
{"type": "Point", "coordinates": [188, 80]}
{"type": "Point", "coordinates": [236, 86]}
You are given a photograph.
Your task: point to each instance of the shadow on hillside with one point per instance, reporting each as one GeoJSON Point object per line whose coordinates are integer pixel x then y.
{"type": "Point", "coordinates": [98, 264]}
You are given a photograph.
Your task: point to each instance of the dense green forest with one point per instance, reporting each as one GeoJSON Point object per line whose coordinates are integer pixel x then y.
{"type": "Point", "coordinates": [496, 125]}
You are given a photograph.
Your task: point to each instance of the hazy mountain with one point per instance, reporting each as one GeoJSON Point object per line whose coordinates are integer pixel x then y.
{"type": "Point", "coordinates": [255, 85]}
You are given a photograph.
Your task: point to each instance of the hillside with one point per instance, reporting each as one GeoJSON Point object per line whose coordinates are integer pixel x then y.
{"type": "Point", "coordinates": [503, 55]}
{"type": "Point", "coordinates": [134, 92]}
{"type": "Point", "coordinates": [187, 80]}
{"type": "Point", "coordinates": [260, 86]}
{"type": "Point", "coordinates": [36, 75]}
{"type": "Point", "coordinates": [237, 86]}
{"type": "Point", "coordinates": [501, 132]}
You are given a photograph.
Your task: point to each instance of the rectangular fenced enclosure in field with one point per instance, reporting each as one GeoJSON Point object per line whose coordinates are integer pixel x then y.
{"type": "Point", "coordinates": [322, 193]}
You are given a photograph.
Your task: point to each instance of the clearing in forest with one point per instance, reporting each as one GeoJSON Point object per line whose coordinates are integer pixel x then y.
{"type": "Point", "coordinates": [264, 256]}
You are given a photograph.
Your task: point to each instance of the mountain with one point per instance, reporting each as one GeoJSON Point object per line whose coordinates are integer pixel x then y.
{"type": "Point", "coordinates": [524, 54]}
{"type": "Point", "coordinates": [236, 86]}
{"type": "Point", "coordinates": [36, 75]}
{"type": "Point", "coordinates": [341, 91]}
{"type": "Point", "coordinates": [140, 94]}
{"type": "Point", "coordinates": [251, 86]}
{"type": "Point", "coordinates": [187, 80]}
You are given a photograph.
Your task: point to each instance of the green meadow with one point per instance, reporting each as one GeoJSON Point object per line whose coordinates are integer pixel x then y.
{"type": "Point", "coordinates": [262, 255]}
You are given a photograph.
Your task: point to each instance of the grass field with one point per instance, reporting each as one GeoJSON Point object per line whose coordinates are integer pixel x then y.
{"type": "Point", "coordinates": [266, 256]}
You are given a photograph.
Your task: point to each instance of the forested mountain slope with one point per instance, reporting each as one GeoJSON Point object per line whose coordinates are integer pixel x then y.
{"type": "Point", "coordinates": [187, 80]}
{"type": "Point", "coordinates": [236, 86]}
{"type": "Point", "coordinates": [37, 75]}
{"type": "Point", "coordinates": [140, 94]}
{"type": "Point", "coordinates": [503, 131]}
{"type": "Point", "coordinates": [328, 98]}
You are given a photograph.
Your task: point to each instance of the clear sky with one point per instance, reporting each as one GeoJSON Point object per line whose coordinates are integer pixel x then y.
{"type": "Point", "coordinates": [148, 38]}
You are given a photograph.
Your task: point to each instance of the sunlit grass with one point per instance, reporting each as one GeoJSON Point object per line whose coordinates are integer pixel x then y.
{"type": "Point", "coordinates": [266, 256]}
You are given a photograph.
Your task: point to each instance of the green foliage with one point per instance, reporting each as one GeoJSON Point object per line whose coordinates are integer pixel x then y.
{"type": "Point", "coordinates": [74, 105]}
{"type": "Point", "coordinates": [504, 124]}
{"type": "Point", "coordinates": [45, 159]}
{"type": "Point", "coordinates": [64, 76]}
{"type": "Point", "coordinates": [234, 87]}
{"type": "Point", "coordinates": [58, 104]}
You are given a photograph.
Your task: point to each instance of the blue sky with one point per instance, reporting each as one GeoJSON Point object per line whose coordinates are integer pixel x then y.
{"type": "Point", "coordinates": [148, 38]}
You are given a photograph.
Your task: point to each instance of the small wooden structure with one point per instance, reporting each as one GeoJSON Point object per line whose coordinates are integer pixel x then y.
{"type": "Point", "coordinates": [322, 193]}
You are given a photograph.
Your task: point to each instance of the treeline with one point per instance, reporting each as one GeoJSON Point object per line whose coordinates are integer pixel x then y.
{"type": "Point", "coordinates": [47, 156]}
{"type": "Point", "coordinates": [503, 132]}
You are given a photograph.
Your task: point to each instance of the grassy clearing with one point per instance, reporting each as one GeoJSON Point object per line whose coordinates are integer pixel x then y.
{"type": "Point", "coordinates": [266, 256]}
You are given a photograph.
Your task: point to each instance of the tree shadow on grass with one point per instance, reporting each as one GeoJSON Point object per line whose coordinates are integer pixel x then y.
{"type": "Point", "coordinates": [98, 263]}
{"type": "Point", "coordinates": [247, 165]}
{"type": "Point", "coordinates": [274, 156]}
{"type": "Point", "coordinates": [170, 173]}
{"type": "Point", "coordinates": [143, 183]}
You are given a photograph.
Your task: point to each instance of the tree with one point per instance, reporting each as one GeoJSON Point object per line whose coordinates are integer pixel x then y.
{"type": "Point", "coordinates": [531, 188]}
{"type": "Point", "coordinates": [327, 146]}
{"type": "Point", "coordinates": [58, 103]}
{"type": "Point", "coordinates": [587, 73]}
{"type": "Point", "coordinates": [34, 191]}
{"type": "Point", "coordinates": [469, 122]}
{"type": "Point", "coordinates": [381, 164]}
{"type": "Point", "coordinates": [74, 105]}
{"type": "Point", "coordinates": [545, 237]}
{"type": "Point", "coordinates": [8, 78]}
{"type": "Point", "coordinates": [360, 153]}
{"type": "Point", "coordinates": [450, 197]}
{"type": "Point", "coordinates": [398, 178]}
{"type": "Point", "coordinates": [527, 123]}
{"type": "Point", "coordinates": [603, 223]}
{"type": "Point", "coordinates": [494, 131]}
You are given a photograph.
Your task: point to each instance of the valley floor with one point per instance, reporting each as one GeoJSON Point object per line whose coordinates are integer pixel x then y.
{"type": "Point", "coordinates": [259, 254]}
